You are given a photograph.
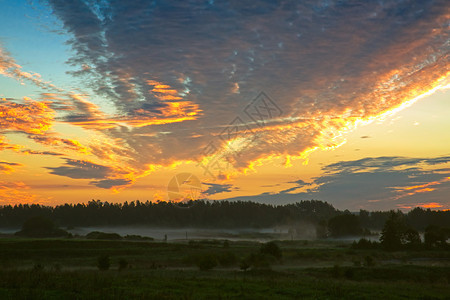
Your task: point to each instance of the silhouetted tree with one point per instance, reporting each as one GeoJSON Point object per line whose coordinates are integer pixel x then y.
{"type": "Point", "coordinates": [344, 225]}
{"type": "Point", "coordinates": [435, 236]}
{"type": "Point", "coordinates": [393, 232]}
{"type": "Point", "coordinates": [202, 213]}
{"type": "Point", "coordinates": [397, 233]}
{"type": "Point", "coordinates": [412, 238]}
{"type": "Point", "coordinates": [40, 227]}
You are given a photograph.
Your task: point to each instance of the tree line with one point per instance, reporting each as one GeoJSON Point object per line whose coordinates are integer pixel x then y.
{"type": "Point", "coordinates": [219, 214]}
{"type": "Point", "coordinates": [398, 234]}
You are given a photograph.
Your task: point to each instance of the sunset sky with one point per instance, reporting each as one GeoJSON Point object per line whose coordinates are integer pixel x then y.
{"type": "Point", "coordinates": [271, 101]}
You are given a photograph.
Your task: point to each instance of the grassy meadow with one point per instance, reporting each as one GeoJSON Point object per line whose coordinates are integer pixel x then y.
{"type": "Point", "coordinates": [216, 269]}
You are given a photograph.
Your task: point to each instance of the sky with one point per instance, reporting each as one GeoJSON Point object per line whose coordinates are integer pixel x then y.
{"type": "Point", "coordinates": [269, 101]}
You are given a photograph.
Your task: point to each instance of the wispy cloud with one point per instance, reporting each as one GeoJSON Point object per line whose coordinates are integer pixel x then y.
{"type": "Point", "coordinates": [8, 167]}
{"type": "Point", "coordinates": [29, 116]}
{"type": "Point", "coordinates": [79, 169]}
{"type": "Point", "coordinates": [216, 188]}
{"type": "Point", "coordinates": [174, 76]}
{"type": "Point", "coordinates": [106, 177]}
{"type": "Point", "coordinates": [9, 68]}
{"type": "Point", "coordinates": [173, 59]}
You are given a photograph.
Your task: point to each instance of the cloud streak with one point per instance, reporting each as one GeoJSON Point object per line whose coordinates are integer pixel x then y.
{"type": "Point", "coordinates": [177, 80]}
{"type": "Point", "coordinates": [215, 188]}
{"type": "Point", "coordinates": [8, 167]}
{"type": "Point", "coordinates": [164, 60]}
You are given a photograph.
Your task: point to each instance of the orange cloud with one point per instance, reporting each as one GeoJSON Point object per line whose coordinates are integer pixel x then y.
{"type": "Point", "coordinates": [417, 189]}
{"type": "Point", "coordinates": [321, 100]}
{"type": "Point", "coordinates": [17, 192]}
{"type": "Point", "coordinates": [91, 117]}
{"type": "Point", "coordinates": [34, 152]}
{"type": "Point", "coordinates": [7, 167]}
{"type": "Point", "coordinates": [51, 140]}
{"type": "Point", "coordinates": [163, 91]}
{"type": "Point", "coordinates": [431, 205]}
{"type": "Point", "coordinates": [30, 116]}
{"type": "Point", "coordinates": [6, 146]}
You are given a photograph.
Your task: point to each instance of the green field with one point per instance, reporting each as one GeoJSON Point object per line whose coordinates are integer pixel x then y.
{"type": "Point", "coordinates": [67, 269]}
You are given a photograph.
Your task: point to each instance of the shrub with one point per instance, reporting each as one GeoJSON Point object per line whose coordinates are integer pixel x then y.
{"type": "Point", "coordinates": [134, 237]}
{"type": "Point", "coordinates": [103, 262]}
{"type": "Point", "coordinates": [227, 259]}
{"type": "Point", "coordinates": [40, 227]}
{"type": "Point", "coordinates": [244, 264]}
{"type": "Point", "coordinates": [272, 249]}
{"type": "Point", "coordinates": [206, 262]}
{"type": "Point", "coordinates": [97, 235]}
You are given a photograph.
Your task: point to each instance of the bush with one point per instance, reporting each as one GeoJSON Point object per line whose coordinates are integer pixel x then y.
{"type": "Point", "coordinates": [103, 262]}
{"type": "Point", "coordinates": [206, 262]}
{"type": "Point", "coordinates": [134, 237]}
{"type": "Point", "coordinates": [227, 259]}
{"type": "Point", "coordinates": [272, 249]}
{"type": "Point", "coordinates": [40, 227]}
{"type": "Point", "coordinates": [244, 264]}
{"type": "Point", "coordinates": [97, 235]}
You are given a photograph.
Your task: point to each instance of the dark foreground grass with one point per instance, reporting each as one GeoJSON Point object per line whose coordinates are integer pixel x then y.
{"type": "Point", "coordinates": [66, 269]}
{"type": "Point", "coordinates": [176, 284]}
